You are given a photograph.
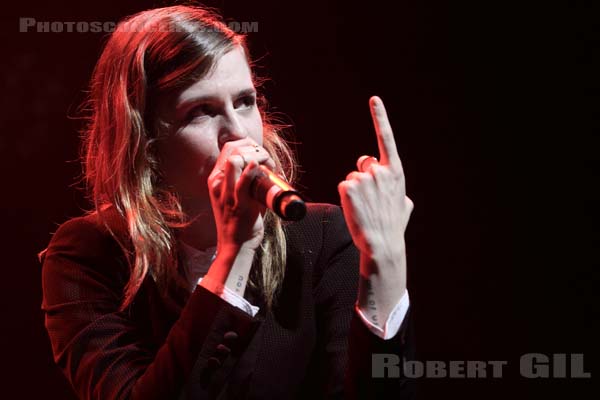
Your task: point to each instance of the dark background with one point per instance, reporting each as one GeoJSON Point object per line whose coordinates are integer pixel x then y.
{"type": "Point", "coordinates": [493, 106]}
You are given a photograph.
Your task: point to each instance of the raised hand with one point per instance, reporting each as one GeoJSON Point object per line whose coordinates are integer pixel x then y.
{"type": "Point", "coordinates": [374, 198]}
{"type": "Point", "coordinates": [238, 217]}
{"type": "Point", "coordinates": [377, 211]}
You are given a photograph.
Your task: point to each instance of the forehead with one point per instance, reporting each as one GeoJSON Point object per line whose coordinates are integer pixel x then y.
{"type": "Point", "coordinates": [230, 75]}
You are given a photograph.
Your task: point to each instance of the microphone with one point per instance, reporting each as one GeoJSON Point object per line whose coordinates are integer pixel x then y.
{"type": "Point", "coordinates": [276, 194]}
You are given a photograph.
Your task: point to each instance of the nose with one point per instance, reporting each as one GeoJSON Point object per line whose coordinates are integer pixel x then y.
{"type": "Point", "coordinates": [231, 128]}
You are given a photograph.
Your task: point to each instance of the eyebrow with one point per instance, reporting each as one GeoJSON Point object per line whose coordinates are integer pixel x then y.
{"type": "Point", "coordinates": [209, 98]}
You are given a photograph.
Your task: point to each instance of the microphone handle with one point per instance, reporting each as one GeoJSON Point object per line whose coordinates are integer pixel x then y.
{"type": "Point", "coordinates": [276, 194]}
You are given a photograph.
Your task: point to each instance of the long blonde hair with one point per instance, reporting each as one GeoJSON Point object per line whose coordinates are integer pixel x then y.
{"type": "Point", "coordinates": [149, 55]}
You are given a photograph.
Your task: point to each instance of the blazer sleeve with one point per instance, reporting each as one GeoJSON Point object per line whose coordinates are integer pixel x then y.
{"type": "Point", "coordinates": [345, 344]}
{"type": "Point", "coordinates": [102, 352]}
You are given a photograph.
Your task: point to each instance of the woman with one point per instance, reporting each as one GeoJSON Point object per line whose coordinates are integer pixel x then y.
{"type": "Point", "coordinates": [178, 284]}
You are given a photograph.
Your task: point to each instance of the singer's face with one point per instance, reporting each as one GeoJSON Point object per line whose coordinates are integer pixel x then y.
{"type": "Point", "coordinates": [219, 108]}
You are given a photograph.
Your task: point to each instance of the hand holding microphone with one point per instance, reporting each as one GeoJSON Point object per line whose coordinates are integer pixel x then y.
{"type": "Point", "coordinates": [233, 174]}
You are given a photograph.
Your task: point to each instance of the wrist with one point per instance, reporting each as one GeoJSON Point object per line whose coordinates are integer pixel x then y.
{"type": "Point", "coordinates": [231, 267]}
{"type": "Point", "coordinates": [381, 285]}
{"type": "Point", "coordinates": [234, 251]}
{"type": "Point", "coordinates": [385, 255]}
{"type": "Point", "coordinates": [390, 264]}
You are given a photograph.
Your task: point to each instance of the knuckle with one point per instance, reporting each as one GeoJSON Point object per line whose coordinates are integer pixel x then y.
{"type": "Point", "coordinates": [227, 146]}
{"type": "Point", "coordinates": [379, 171]}
{"type": "Point", "coordinates": [365, 177]}
{"type": "Point", "coordinates": [410, 205]}
{"type": "Point", "coordinates": [351, 187]}
{"type": "Point", "coordinates": [234, 160]}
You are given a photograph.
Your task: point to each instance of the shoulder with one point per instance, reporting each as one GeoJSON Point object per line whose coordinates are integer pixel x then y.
{"type": "Point", "coordinates": [90, 230]}
{"type": "Point", "coordinates": [321, 231]}
{"type": "Point", "coordinates": [322, 246]}
{"type": "Point", "coordinates": [320, 217]}
{"type": "Point", "coordinates": [322, 213]}
{"type": "Point", "coordinates": [92, 239]}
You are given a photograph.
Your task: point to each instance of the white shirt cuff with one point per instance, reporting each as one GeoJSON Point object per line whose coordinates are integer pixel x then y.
{"type": "Point", "coordinates": [395, 319]}
{"type": "Point", "coordinates": [229, 296]}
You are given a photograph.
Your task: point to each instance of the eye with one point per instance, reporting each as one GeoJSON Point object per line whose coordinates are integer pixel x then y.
{"type": "Point", "coordinates": [199, 111]}
{"type": "Point", "coordinates": [245, 102]}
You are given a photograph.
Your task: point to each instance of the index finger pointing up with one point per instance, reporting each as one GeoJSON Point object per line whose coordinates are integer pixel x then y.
{"type": "Point", "coordinates": [385, 137]}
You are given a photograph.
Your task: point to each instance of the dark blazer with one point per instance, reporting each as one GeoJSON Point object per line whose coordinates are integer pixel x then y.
{"type": "Point", "coordinates": [311, 345]}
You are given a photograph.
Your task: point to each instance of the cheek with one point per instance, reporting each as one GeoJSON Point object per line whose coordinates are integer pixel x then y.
{"type": "Point", "coordinates": [256, 129]}
{"type": "Point", "coordinates": [189, 155]}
